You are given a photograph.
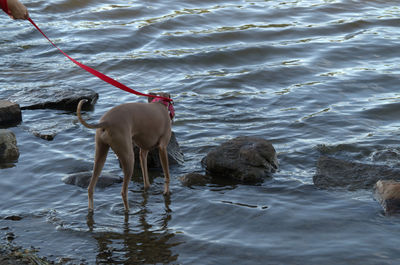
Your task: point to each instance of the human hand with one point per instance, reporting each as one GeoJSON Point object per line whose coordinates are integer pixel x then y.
{"type": "Point", "coordinates": [17, 10]}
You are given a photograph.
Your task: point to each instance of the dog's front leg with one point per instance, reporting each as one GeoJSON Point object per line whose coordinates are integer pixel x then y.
{"type": "Point", "coordinates": [143, 165]}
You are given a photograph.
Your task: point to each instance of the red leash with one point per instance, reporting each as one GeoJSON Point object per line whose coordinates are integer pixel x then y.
{"type": "Point", "coordinates": [97, 73]}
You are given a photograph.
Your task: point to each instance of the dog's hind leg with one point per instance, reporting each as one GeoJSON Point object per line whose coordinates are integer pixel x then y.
{"type": "Point", "coordinates": [99, 160]}
{"type": "Point", "coordinates": [163, 154]}
{"type": "Point", "coordinates": [127, 160]}
{"type": "Point", "coordinates": [143, 165]}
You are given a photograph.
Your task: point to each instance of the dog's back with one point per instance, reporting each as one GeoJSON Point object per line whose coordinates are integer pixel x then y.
{"type": "Point", "coordinates": [147, 123]}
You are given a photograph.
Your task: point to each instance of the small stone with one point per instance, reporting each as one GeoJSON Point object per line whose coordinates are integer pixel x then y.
{"type": "Point", "coordinates": [10, 236]}
{"type": "Point", "coordinates": [45, 135]}
{"type": "Point", "coordinates": [10, 113]}
{"type": "Point", "coordinates": [387, 193]}
{"type": "Point", "coordinates": [82, 179]}
{"type": "Point", "coordinates": [13, 218]}
{"type": "Point", "coordinates": [195, 179]}
{"type": "Point", "coordinates": [9, 152]}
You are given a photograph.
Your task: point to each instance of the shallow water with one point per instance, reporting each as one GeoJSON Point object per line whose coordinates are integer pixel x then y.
{"type": "Point", "coordinates": [306, 75]}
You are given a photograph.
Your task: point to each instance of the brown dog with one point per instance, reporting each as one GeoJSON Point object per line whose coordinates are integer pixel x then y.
{"type": "Point", "coordinates": [146, 125]}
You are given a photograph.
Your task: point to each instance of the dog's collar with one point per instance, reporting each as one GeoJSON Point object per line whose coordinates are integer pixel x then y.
{"type": "Point", "coordinates": [168, 104]}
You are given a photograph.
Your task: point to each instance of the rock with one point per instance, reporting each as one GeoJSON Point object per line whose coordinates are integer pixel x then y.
{"type": "Point", "coordinates": [10, 113]}
{"type": "Point", "coordinates": [49, 136]}
{"type": "Point", "coordinates": [10, 236]}
{"type": "Point", "coordinates": [244, 159]}
{"type": "Point", "coordinates": [9, 152]}
{"type": "Point", "coordinates": [387, 193]}
{"type": "Point", "coordinates": [82, 179]}
{"type": "Point", "coordinates": [12, 254]}
{"type": "Point", "coordinates": [63, 98]}
{"type": "Point", "coordinates": [47, 124]}
{"type": "Point", "coordinates": [389, 156]}
{"type": "Point", "coordinates": [195, 179]}
{"type": "Point", "coordinates": [175, 155]}
{"type": "Point", "coordinates": [332, 172]}
{"type": "Point", "coordinates": [13, 218]}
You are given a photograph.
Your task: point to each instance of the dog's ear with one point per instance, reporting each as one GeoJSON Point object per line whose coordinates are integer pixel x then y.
{"type": "Point", "coordinates": [149, 99]}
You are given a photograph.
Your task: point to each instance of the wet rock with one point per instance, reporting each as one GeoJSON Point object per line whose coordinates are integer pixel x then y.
{"type": "Point", "coordinates": [82, 179]}
{"type": "Point", "coordinates": [175, 155]}
{"type": "Point", "coordinates": [389, 156]}
{"type": "Point", "coordinates": [244, 159]}
{"type": "Point", "coordinates": [48, 136]}
{"type": "Point", "coordinates": [8, 147]}
{"type": "Point", "coordinates": [13, 218]}
{"type": "Point", "coordinates": [12, 254]}
{"type": "Point", "coordinates": [387, 193]}
{"type": "Point", "coordinates": [64, 98]}
{"type": "Point", "coordinates": [10, 236]}
{"type": "Point", "coordinates": [47, 124]}
{"type": "Point", "coordinates": [10, 113]}
{"type": "Point", "coordinates": [332, 172]}
{"type": "Point", "coordinates": [195, 179]}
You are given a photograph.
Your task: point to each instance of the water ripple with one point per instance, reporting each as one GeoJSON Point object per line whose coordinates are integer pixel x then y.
{"type": "Point", "coordinates": [312, 76]}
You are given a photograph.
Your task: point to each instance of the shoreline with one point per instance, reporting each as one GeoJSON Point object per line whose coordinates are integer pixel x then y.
{"type": "Point", "coordinates": [11, 254]}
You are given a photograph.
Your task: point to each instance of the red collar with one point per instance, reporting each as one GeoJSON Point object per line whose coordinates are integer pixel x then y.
{"type": "Point", "coordinates": [168, 104]}
{"type": "Point", "coordinates": [4, 6]}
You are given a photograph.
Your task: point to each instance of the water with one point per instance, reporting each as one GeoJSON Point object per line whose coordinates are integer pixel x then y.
{"type": "Point", "coordinates": [299, 73]}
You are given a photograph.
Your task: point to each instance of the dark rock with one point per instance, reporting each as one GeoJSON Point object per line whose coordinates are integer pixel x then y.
{"type": "Point", "coordinates": [13, 218]}
{"type": "Point", "coordinates": [10, 236]}
{"type": "Point", "coordinates": [175, 155]}
{"type": "Point", "coordinates": [389, 156]}
{"type": "Point", "coordinates": [47, 124]}
{"type": "Point", "coordinates": [12, 254]}
{"type": "Point", "coordinates": [64, 98]}
{"type": "Point", "coordinates": [332, 172]}
{"type": "Point", "coordinates": [9, 152]}
{"type": "Point", "coordinates": [10, 113]}
{"type": "Point", "coordinates": [387, 193]}
{"type": "Point", "coordinates": [48, 136]}
{"type": "Point", "coordinates": [195, 179]}
{"type": "Point", "coordinates": [82, 179]}
{"type": "Point", "coordinates": [244, 159]}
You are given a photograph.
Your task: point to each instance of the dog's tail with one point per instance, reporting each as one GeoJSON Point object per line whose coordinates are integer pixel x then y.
{"type": "Point", "coordinates": [84, 123]}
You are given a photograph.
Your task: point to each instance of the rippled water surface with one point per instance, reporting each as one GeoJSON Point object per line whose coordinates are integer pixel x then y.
{"type": "Point", "coordinates": [299, 73]}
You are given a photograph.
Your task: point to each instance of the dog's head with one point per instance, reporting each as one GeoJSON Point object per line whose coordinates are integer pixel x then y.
{"type": "Point", "coordinates": [167, 103]}
{"type": "Point", "coordinates": [160, 94]}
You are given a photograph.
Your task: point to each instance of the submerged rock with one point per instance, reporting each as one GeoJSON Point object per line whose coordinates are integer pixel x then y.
{"type": "Point", "coordinates": [244, 159]}
{"type": "Point", "coordinates": [195, 179]}
{"type": "Point", "coordinates": [389, 156]}
{"type": "Point", "coordinates": [82, 179]}
{"type": "Point", "coordinates": [10, 113]}
{"type": "Point", "coordinates": [47, 124]}
{"type": "Point", "coordinates": [387, 193]}
{"type": "Point", "coordinates": [175, 155]}
{"type": "Point", "coordinates": [63, 98]}
{"type": "Point", "coordinates": [13, 218]}
{"type": "Point", "coordinates": [49, 136]}
{"type": "Point", "coordinates": [332, 172]}
{"type": "Point", "coordinates": [9, 152]}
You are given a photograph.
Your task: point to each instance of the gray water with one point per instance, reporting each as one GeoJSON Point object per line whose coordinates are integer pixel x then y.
{"type": "Point", "coordinates": [306, 75]}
